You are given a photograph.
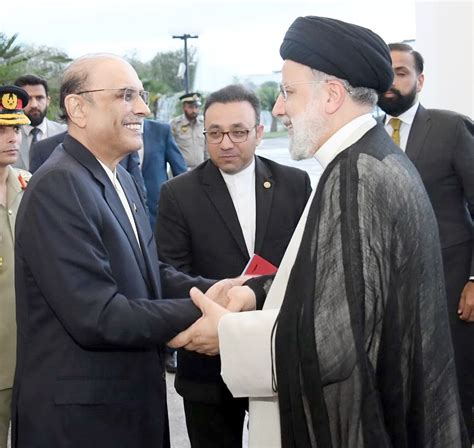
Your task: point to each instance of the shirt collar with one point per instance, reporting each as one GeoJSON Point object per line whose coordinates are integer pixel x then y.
{"type": "Point", "coordinates": [406, 117]}
{"type": "Point", "coordinates": [112, 175]}
{"type": "Point", "coordinates": [343, 138]}
{"type": "Point", "coordinates": [42, 127]}
{"type": "Point", "coordinates": [12, 179]}
{"type": "Point", "coordinates": [242, 176]}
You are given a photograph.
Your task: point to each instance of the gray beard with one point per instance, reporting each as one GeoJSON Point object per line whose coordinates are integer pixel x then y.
{"type": "Point", "coordinates": [306, 137]}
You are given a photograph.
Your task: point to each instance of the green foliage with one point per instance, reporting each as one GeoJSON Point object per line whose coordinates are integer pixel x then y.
{"type": "Point", "coordinates": [47, 62]}
{"type": "Point", "coordinates": [12, 61]}
{"type": "Point", "coordinates": [159, 74]}
{"type": "Point", "coordinates": [268, 94]}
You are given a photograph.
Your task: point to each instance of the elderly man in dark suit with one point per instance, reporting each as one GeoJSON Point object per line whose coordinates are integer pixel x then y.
{"type": "Point", "coordinates": [41, 150]}
{"type": "Point", "coordinates": [90, 311]}
{"type": "Point", "coordinates": [148, 166]}
{"type": "Point", "coordinates": [211, 221]}
{"type": "Point", "coordinates": [440, 143]}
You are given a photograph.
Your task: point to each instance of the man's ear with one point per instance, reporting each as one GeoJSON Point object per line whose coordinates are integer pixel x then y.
{"type": "Point", "coordinates": [420, 79]}
{"type": "Point", "coordinates": [259, 131]}
{"type": "Point", "coordinates": [336, 95]}
{"type": "Point", "coordinates": [76, 110]}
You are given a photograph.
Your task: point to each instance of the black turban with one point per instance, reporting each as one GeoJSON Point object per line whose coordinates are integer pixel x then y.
{"type": "Point", "coordinates": [340, 49]}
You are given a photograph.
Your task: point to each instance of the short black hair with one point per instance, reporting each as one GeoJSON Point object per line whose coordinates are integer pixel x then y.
{"type": "Point", "coordinates": [32, 80]}
{"type": "Point", "coordinates": [235, 93]}
{"type": "Point", "coordinates": [419, 62]}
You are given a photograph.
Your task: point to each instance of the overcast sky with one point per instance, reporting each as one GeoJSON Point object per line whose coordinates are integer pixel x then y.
{"type": "Point", "coordinates": [236, 38]}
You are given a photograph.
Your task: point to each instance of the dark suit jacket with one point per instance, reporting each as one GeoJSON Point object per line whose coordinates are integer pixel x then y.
{"type": "Point", "coordinates": [198, 232]}
{"type": "Point", "coordinates": [41, 150]}
{"type": "Point", "coordinates": [90, 315]}
{"type": "Point", "coordinates": [441, 146]}
{"type": "Point", "coordinates": [159, 148]}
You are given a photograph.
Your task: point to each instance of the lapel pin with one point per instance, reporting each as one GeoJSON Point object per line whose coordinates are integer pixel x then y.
{"type": "Point", "coordinates": [267, 184]}
{"type": "Point", "coordinates": [135, 207]}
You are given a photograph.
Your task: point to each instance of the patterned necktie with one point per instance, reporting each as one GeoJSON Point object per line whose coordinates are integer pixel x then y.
{"type": "Point", "coordinates": [395, 123]}
{"type": "Point", "coordinates": [35, 133]}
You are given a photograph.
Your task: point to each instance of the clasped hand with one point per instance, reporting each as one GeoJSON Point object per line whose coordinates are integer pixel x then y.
{"type": "Point", "coordinates": [224, 297]}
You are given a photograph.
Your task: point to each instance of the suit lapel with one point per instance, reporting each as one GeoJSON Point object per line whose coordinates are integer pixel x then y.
{"type": "Point", "coordinates": [264, 187]}
{"type": "Point", "coordinates": [216, 189]}
{"type": "Point", "coordinates": [113, 200]}
{"type": "Point", "coordinates": [418, 132]}
{"type": "Point", "coordinates": [147, 144]}
{"type": "Point", "coordinates": [87, 159]}
{"type": "Point", "coordinates": [143, 229]}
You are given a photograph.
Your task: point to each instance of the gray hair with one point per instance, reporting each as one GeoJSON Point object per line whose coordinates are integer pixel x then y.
{"type": "Point", "coordinates": [360, 95]}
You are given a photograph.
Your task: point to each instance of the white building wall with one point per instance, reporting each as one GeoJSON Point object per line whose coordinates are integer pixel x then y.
{"type": "Point", "coordinates": [444, 36]}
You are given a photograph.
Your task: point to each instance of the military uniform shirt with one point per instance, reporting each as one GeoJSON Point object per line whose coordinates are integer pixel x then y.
{"type": "Point", "coordinates": [190, 139]}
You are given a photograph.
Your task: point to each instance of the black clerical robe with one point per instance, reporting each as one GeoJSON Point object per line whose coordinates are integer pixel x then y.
{"type": "Point", "coordinates": [363, 349]}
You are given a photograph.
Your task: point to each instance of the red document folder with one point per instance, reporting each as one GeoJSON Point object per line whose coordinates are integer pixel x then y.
{"type": "Point", "coordinates": [257, 265]}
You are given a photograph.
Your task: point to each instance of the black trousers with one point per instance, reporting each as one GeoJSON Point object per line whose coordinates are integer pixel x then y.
{"type": "Point", "coordinates": [216, 425]}
{"type": "Point", "coordinates": [457, 262]}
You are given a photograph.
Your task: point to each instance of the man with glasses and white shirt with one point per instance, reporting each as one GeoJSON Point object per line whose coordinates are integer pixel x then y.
{"type": "Point", "coordinates": [211, 222]}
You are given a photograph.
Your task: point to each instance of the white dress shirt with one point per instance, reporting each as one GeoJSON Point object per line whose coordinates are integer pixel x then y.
{"type": "Point", "coordinates": [241, 188]}
{"type": "Point", "coordinates": [406, 121]}
{"type": "Point", "coordinates": [123, 199]}
{"type": "Point", "coordinates": [43, 127]}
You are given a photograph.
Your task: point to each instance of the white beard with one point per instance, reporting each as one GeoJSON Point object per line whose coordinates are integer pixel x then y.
{"type": "Point", "coordinates": [307, 131]}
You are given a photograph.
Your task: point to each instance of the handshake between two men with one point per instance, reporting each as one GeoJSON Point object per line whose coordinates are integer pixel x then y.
{"type": "Point", "coordinates": [226, 296]}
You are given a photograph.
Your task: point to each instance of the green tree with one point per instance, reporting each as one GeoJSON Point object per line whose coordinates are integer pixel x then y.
{"type": "Point", "coordinates": [12, 58]}
{"type": "Point", "coordinates": [268, 93]}
{"type": "Point", "coordinates": [159, 76]}
{"type": "Point", "coordinates": [49, 63]}
{"type": "Point", "coordinates": [163, 69]}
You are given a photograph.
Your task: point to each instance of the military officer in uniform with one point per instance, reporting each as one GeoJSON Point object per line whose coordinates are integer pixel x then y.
{"type": "Point", "coordinates": [12, 183]}
{"type": "Point", "coordinates": [187, 130]}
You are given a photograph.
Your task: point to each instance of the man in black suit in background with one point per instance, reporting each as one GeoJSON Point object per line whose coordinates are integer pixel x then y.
{"type": "Point", "coordinates": [211, 221]}
{"type": "Point", "coordinates": [440, 143]}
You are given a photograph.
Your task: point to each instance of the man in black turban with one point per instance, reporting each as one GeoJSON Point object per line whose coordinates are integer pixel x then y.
{"type": "Point", "coordinates": [362, 344]}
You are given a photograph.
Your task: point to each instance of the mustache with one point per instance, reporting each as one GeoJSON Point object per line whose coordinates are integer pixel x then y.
{"type": "Point", "coordinates": [395, 91]}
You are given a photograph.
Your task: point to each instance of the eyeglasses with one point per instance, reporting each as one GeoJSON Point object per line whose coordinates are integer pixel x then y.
{"type": "Point", "coordinates": [284, 93]}
{"type": "Point", "coordinates": [129, 94]}
{"type": "Point", "coordinates": [235, 136]}
{"type": "Point", "coordinates": [283, 88]}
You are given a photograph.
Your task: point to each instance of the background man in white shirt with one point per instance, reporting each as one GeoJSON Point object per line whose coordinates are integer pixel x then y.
{"type": "Point", "coordinates": [211, 222]}
{"type": "Point", "coordinates": [41, 127]}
